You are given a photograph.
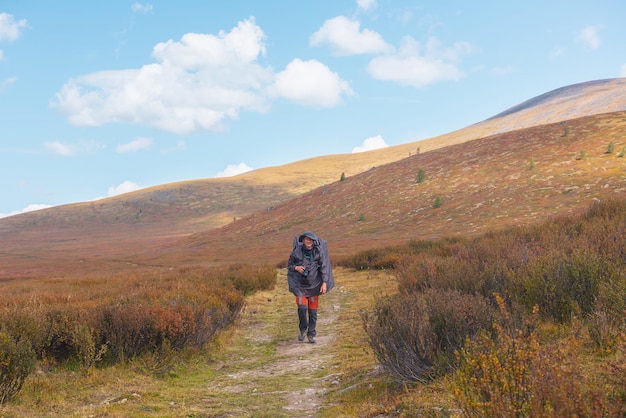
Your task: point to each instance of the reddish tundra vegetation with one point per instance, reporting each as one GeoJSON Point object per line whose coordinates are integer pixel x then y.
{"type": "Point", "coordinates": [508, 251]}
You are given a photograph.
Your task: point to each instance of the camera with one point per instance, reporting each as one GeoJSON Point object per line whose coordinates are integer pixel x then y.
{"type": "Point", "coordinates": [305, 273]}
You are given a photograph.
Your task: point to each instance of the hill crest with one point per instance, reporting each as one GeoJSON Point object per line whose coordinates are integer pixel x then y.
{"type": "Point", "coordinates": [224, 213]}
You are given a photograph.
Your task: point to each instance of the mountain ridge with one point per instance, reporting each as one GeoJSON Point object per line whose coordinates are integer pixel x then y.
{"type": "Point", "coordinates": [115, 231]}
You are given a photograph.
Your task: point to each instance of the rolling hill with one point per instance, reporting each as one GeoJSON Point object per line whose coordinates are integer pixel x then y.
{"type": "Point", "coordinates": [544, 157]}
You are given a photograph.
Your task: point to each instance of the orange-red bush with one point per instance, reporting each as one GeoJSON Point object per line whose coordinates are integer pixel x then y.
{"type": "Point", "coordinates": [124, 316]}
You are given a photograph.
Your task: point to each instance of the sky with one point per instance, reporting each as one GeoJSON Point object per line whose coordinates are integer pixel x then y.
{"type": "Point", "coordinates": [103, 98]}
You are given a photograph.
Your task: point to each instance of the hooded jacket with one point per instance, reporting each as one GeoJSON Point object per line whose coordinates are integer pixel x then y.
{"type": "Point", "coordinates": [319, 268]}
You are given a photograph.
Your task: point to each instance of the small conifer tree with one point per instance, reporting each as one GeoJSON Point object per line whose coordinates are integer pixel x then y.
{"type": "Point", "coordinates": [421, 176]}
{"type": "Point", "coordinates": [610, 148]}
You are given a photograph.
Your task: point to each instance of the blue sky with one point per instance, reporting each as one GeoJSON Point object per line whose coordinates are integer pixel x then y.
{"type": "Point", "coordinates": [102, 98]}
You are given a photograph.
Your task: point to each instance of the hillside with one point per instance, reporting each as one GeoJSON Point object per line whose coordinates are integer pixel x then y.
{"type": "Point", "coordinates": [481, 174]}
{"type": "Point", "coordinates": [508, 179]}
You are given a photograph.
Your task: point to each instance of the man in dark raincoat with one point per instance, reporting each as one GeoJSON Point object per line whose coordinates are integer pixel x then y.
{"type": "Point", "coordinates": [309, 276]}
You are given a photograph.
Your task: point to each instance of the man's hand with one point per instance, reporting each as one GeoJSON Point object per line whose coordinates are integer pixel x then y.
{"type": "Point", "coordinates": [323, 288]}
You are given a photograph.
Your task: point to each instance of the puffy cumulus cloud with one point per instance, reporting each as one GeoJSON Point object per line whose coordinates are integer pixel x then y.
{"type": "Point", "coordinates": [10, 29]}
{"type": "Point", "coordinates": [125, 187]}
{"type": "Point", "coordinates": [310, 83]}
{"type": "Point", "coordinates": [346, 37]}
{"type": "Point", "coordinates": [29, 208]}
{"type": "Point", "coordinates": [198, 83]}
{"type": "Point", "coordinates": [590, 37]}
{"type": "Point", "coordinates": [418, 66]}
{"type": "Point", "coordinates": [371, 143]}
{"type": "Point", "coordinates": [69, 150]}
{"type": "Point", "coordinates": [233, 170]}
{"type": "Point", "coordinates": [135, 145]}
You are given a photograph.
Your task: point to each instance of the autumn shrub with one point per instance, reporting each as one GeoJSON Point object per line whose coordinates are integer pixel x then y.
{"type": "Point", "coordinates": [249, 278]}
{"type": "Point", "coordinates": [86, 348]}
{"type": "Point", "coordinates": [91, 321]}
{"type": "Point", "coordinates": [25, 321]}
{"type": "Point", "coordinates": [17, 360]}
{"type": "Point", "coordinates": [510, 374]}
{"type": "Point", "coordinates": [572, 267]}
{"type": "Point", "coordinates": [414, 337]}
{"type": "Point", "coordinates": [567, 284]}
{"type": "Point", "coordinates": [617, 380]}
{"type": "Point", "coordinates": [608, 320]}
{"type": "Point", "coordinates": [374, 259]}
{"type": "Point", "coordinates": [58, 331]}
{"type": "Point", "coordinates": [400, 336]}
{"type": "Point", "coordinates": [131, 330]}
{"type": "Point", "coordinates": [388, 257]}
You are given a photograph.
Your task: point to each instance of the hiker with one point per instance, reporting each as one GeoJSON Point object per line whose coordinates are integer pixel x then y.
{"type": "Point", "coordinates": [309, 276]}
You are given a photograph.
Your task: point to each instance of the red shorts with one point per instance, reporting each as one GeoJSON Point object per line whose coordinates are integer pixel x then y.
{"type": "Point", "coordinates": [310, 301]}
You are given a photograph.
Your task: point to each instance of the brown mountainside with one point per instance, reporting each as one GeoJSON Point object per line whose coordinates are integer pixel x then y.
{"type": "Point", "coordinates": [482, 180]}
{"type": "Point", "coordinates": [514, 178]}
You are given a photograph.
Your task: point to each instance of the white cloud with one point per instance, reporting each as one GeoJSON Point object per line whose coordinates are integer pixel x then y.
{"type": "Point", "coordinates": [371, 143]}
{"type": "Point", "coordinates": [68, 150]}
{"type": "Point", "coordinates": [10, 29]}
{"type": "Point", "coordinates": [233, 170]}
{"type": "Point", "coordinates": [310, 83]}
{"type": "Point", "coordinates": [589, 36]}
{"type": "Point", "coordinates": [59, 148]}
{"type": "Point", "coordinates": [133, 146]}
{"type": "Point", "coordinates": [139, 7]}
{"type": "Point", "coordinates": [623, 72]}
{"type": "Point", "coordinates": [29, 208]}
{"type": "Point", "coordinates": [346, 38]}
{"type": "Point", "coordinates": [418, 66]}
{"type": "Point", "coordinates": [125, 187]}
{"type": "Point", "coordinates": [7, 83]}
{"type": "Point", "coordinates": [366, 4]}
{"type": "Point", "coordinates": [198, 83]}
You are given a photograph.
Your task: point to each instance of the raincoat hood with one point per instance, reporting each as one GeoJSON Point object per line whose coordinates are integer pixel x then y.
{"type": "Point", "coordinates": [311, 235]}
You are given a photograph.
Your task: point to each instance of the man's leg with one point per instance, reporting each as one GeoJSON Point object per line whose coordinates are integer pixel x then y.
{"type": "Point", "coordinates": [302, 317]}
{"type": "Point", "coordinates": [312, 308]}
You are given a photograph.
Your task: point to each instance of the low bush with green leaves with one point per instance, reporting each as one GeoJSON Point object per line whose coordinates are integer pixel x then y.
{"type": "Point", "coordinates": [17, 360]}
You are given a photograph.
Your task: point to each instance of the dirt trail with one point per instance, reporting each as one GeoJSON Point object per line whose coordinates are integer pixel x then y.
{"type": "Point", "coordinates": [264, 361]}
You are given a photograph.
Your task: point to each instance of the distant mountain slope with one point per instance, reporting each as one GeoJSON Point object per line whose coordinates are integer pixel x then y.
{"type": "Point", "coordinates": [590, 98]}
{"type": "Point", "coordinates": [513, 178]}
{"type": "Point", "coordinates": [112, 229]}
